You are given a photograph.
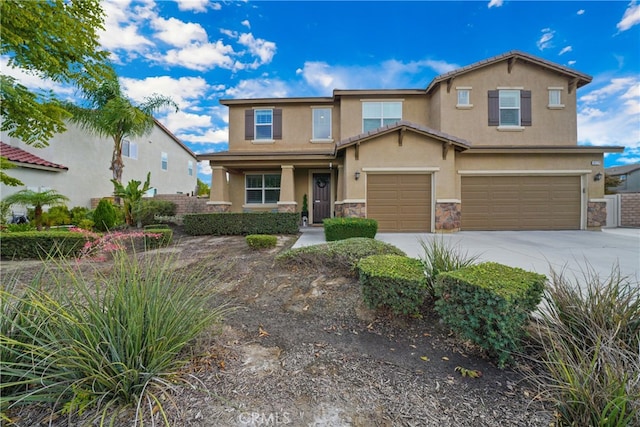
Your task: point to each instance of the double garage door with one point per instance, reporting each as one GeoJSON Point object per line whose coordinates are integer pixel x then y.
{"type": "Point", "coordinates": [402, 202]}
{"type": "Point", "coordinates": [521, 203]}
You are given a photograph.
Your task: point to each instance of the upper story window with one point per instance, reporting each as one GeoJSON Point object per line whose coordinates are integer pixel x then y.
{"type": "Point", "coordinates": [378, 114]}
{"type": "Point", "coordinates": [321, 124]}
{"type": "Point", "coordinates": [262, 188]}
{"type": "Point", "coordinates": [164, 161]}
{"type": "Point", "coordinates": [263, 124]}
{"type": "Point", "coordinates": [510, 108]}
{"type": "Point", "coordinates": [555, 97]}
{"type": "Point", "coordinates": [129, 149]}
{"type": "Point", "coordinates": [464, 97]}
{"type": "Point", "coordinates": [190, 168]}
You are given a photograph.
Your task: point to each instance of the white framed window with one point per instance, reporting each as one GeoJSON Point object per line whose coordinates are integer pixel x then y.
{"type": "Point", "coordinates": [262, 188]}
{"type": "Point", "coordinates": [380, 113]}
{"type": "Point", "coordinates": [464, 97]}
{"type": "Point", "coordinates": [129, 149]}
{"type": "Point", "coordinates": [263, 124]}
{"type": "Point", "coordinates": [321, 124]}
{"type": "Point", "coordinates": [190, 168]}
{"type": "Point", "coordinates": [622, 178]}
{"type": "Point", "coordinates": [555, 97]}
{"type": "Point", "coordinates": [509, 104]}
{"type": "Point", "coordinates": [164, 161]}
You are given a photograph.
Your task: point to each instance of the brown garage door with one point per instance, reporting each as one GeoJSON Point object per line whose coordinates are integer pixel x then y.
{"type": "Point", "coordinates": [400, 202]}
{"type": "Point", "coordinates": [520, 203]}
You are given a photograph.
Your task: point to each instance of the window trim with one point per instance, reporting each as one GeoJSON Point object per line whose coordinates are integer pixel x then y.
{"type": "Point", "coordinates": [557, 90]}
{"type": "Point", "coordinates": [129, 144]}
{"type": "Point", "coordinates": [313, 124]}
{"type": "Point", "coordinates": [462, 89]}
{"type": "Point", "coordinates": [382, 118]}
{"type": "Point", "coordinates": [190, 167]}
{"type": "Point", "coordinates": [164, 161]}
{"type": "Point", "coordinates": [263, 188]}
{"type": "Point", "coordinates": [256, 125]}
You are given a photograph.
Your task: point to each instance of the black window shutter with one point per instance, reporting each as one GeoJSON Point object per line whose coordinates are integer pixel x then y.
{"type": "Point", "coordinates": [277, 124]}
{"type": "Point", "coordinates": [494, 108]}
{"type": "Point", "coordinates": [248, 124]}
{"type": "Point", "coordinates": [525, 107]}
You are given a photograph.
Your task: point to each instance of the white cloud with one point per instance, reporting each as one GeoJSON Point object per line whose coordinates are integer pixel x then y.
{"type": "Point", "coordinates": [580, 12]}
{"type": "Point", "coordinates": [495, 3]}
{"type": "Point", "coordinates": [571, 62]}
{"type": "Point", "coordinates": [201, 57]}
{"type": "Point", "coordinates": [630, 18]}
{"type": "Point", "coordinates": [264, 50]}
{"type": "Point", "coordinates": [181, 120]}
{"type": "Point", "coordinates": [193, 5]}
{"type": "Point", "coordinates": [610, 114]}
{"type": "Point", "coordinates": [178, 33]}
{"type": "Point", "coordinates": [545, 40]}
{"type": "Point", "coordinates": [185, 91]}
{"type": "Point", "coordinates": [122, 27]}
{"type": "Point", "coordinates": [259, 88]}
{"type": "Point", "coordinates": [210, 136]}
{"type": "Point", "coordinates": [246, 23]}
{"type": "Point", "coordinates": [565, 50]}
{"type": "Point", "coordinates": [204, 168]}
{"type": "Point", "coordinates": [33, 81]}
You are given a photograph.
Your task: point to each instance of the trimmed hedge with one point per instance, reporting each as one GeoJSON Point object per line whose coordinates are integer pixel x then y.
{"type": "Point", "coordinates": [489, 304]}
{"type": "Point", "coordinates": [345, 228]}
{"type": "Point", "coordinates": [41, 244]}
{"type": "Point", "coordinates": [261, 241]}
{"type": "Point", "coordinates": [393, 281]}
{"type": "Point", "coordinates": [241, 224]}
{"type": "Point", "coordinates": [165, 239]}
{"type": "Point", "coordinates": [150, 208]}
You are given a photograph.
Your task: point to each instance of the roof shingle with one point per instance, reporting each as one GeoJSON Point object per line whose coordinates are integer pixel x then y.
{"type": "Point", "coordinates": [17, 155]}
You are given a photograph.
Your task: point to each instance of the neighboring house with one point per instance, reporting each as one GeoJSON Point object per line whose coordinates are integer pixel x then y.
{"type": "Point", "coordinates": [76, 164]}
{"type": "Point", "coordinates": [629, 177]}
{"type": "Point", "coordinates": [489, 146]}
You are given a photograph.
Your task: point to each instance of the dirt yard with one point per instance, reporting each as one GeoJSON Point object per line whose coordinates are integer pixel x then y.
{"type": "Point", "coordinates": [301, 349]}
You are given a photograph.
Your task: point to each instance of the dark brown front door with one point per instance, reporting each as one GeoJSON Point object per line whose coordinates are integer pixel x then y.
{"type": "Point", "coordinates": [321, 197]}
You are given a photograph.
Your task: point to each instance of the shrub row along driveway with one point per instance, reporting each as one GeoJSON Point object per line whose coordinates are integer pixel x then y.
{"type": "Point", "coordinates": [531, 250]}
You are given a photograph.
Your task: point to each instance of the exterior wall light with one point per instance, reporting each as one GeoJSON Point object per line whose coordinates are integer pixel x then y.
{"type": "Point", "coordinates": [597, 177]}
{"type": "Point", "coordinates": [357, 175]}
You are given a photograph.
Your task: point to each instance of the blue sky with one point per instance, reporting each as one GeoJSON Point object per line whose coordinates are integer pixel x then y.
{"type": "Point", "coordinates": [199, 52]}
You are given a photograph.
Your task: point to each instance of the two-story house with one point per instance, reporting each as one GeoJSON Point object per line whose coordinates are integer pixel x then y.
{"type": "Point", "coordinates": [76, 164]}
{"type": "Point", "coordinates": [489, 146]}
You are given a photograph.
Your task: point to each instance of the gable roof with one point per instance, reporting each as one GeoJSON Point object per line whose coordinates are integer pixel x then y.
{"type": "Point", "coordinates": [175, 138]}
{"type": "Point", "coordinates": [17, 155]}
{"type": "Point", "coordinates": [513, 56]}
{"type": "Point", "coordinates": [621, 170]}
{"type": "Point", "coordinates": [459, 143]}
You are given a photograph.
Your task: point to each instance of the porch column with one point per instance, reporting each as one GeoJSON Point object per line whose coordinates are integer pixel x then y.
{"type": "Point", "coordinates": [219, 194]}
{"type": "Point", "coordinates": [339, 192]}
{"type": "Point", "coordinates": [287, 202]}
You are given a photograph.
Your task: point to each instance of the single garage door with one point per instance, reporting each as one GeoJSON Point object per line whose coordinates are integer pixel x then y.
{"type": "Point", "coordinates": [400, 202]}
{"type": "Point", "coordinates": [520, 203]}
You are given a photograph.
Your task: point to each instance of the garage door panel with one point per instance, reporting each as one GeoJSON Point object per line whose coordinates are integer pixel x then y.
{"type": "Point", "coordinates": [400, 202]}
{"type": "Point", "coordinates": [521, 203]}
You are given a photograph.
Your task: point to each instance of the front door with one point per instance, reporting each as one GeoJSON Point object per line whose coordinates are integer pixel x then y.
{"type": "Point", "coordinates": [321, 197]}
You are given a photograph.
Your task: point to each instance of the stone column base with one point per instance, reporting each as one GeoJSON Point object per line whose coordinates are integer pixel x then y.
{"type": "Point", "coordinates": [448, 217]}
{"type": "Point", "coordinates": [287, 207]}
{"type": "Point", "coordinates": [352, 210]}
{"type": "Point", "coordinates": [218, 207]}
{"type": "Point", "coordinates": [596, 214]}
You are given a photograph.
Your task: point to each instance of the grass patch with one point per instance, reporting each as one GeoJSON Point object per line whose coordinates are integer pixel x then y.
{"type": "Point", "coordinates": [341, 255]}
{"type": "Point", "coordinates": [440, 257]}
{"type": "Point", "coordinates": [587, 349]}
{"type": "Point", "coordinates": [103, 341]}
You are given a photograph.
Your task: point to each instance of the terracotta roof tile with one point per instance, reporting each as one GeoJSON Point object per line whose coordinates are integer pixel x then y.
{"type": "Point", "coordinates": [18, 155]}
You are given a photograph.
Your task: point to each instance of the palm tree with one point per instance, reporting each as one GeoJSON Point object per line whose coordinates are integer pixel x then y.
{"type": "Point", "coordinates": [37, 199]}
{"type": "Point", "coordinates": [131, 196]}
{"type": "Point", "coordinates": [109, 113]}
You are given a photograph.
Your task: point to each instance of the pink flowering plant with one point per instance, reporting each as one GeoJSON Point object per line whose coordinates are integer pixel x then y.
{"type": "Point", "coordinates": [101, 247]}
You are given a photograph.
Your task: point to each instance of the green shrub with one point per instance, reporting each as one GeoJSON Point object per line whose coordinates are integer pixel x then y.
{"type": "Point", "coordinates": [341, 255]}
{"type": "Point", "coordinates": [156, 226]}
{"type": "Point", "coordinates": [345, 228]}
{"type": "Point", "coordinates": [489, 304]}
{"type": "Point", "coordinates": [393, 281]}
{"type": "Point", "coordinates": [18, 228]}
{"type": "Point", "coordinates": [41, 244]}
{"type": "Point", "coordinates": [440, 257]}
{"type": "Point", "coordinates": [85, 224]}
{"type": "Point", "coordinates": [105, 216]}
{"type": "Point", "coordinates": [56, 215]}
{"type": "Point", "coordinates": [261, 241]}
{"type": "Point", "coordinates": [241, 224]}
{"type": "Point", "coordinates": [149, 208]}
{"type": "Point", "coordinates": [163, 238]}
{"type": "Point", "coordinates": [79, 214]}
{"type": "Point", "coordinates": [104, 340]}
{"type": "Point", "coordinates": [587, 350]}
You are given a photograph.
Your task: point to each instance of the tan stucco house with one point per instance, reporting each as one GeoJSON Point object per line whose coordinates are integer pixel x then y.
{"type": "Point", "coordinates": [76, 164]}
{"type": "Point", "coordinates": [489, 146]}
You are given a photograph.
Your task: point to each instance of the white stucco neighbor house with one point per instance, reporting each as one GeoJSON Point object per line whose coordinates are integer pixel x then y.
{"type": "Point", "coordinates": [76, 164]}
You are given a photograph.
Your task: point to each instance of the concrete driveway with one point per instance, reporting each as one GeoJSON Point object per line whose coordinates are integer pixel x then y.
{"type": "Point", "coordinates": [537, 251]}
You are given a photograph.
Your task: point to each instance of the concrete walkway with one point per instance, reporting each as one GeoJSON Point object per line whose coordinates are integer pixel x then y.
{"type": "Point", "coordinates": [538, 251]}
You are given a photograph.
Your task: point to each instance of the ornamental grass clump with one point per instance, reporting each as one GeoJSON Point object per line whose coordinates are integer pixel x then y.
{"type": "Point", "coordinates": [103, 341]}
{"type": "Point", "coordinates": [439, 257]}
{"type": "Point", "coordinates": [586, 352]}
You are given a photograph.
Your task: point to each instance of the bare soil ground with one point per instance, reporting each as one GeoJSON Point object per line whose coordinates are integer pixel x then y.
{"type": "Point", "coordinates": [301, 349]}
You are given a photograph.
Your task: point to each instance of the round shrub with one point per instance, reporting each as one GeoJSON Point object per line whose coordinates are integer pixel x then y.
{"type": "Point", "coordinates": [261, 241]}
{"type": "Point", "coordinates": [393, 281]}
{"type": "Point", "coordinates": [105, 216]}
